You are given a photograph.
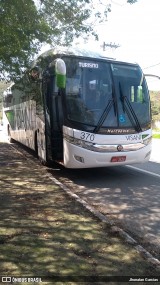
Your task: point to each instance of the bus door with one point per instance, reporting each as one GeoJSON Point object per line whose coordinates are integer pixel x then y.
{"type": "Point", "coordinates": [54, 118]}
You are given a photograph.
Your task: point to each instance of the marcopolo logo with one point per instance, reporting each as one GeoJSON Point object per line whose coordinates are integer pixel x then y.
{"type": "Point", "coordinates": [119, 147]}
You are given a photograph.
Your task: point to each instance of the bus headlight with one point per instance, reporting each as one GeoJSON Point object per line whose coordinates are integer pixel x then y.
{"type": "Point", "coordinates": [147, 141]}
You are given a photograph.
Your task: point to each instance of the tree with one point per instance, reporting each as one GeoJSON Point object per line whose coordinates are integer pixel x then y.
{"type": "Point", "coordinates": [3, 87]}
{"type": "Point", "coordinates": [155, 105]}
{"type": "Point", "coordinates": [25, 25]}
{"type": "Point", "coordinates": [22, 29]}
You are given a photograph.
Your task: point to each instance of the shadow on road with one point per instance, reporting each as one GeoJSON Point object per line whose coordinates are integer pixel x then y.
{"type": "Point", "coordinates": [129, 197]}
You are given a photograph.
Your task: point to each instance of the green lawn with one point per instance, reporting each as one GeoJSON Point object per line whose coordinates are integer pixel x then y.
{"type": "Point", "coordinates": [156, 136]}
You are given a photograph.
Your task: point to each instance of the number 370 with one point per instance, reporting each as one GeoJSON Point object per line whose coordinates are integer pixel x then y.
{"type": "Point", "coordinates": [87, 136]}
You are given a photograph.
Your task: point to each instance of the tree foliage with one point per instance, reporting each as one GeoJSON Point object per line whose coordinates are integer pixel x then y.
{"type": "Point", "coordinates": [155, 105]}
{"type": "Point", "coordinates": [25, 25]}
{"type": "Point", "coordinates": [22, 30]}
{"type": "Point", "coordinates": [3, 87]}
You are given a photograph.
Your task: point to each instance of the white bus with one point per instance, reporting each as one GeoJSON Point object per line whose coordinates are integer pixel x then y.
{"type": "Point", "coordinates": [81, 109]}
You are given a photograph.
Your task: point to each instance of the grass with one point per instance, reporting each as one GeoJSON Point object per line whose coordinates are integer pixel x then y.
{"type": "Point", "coordinates": [156, 136]}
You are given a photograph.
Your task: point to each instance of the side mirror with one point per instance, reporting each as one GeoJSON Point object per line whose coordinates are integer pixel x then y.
{"type": "Point", "coordinates": [140, 94]}
{"type": "Point", "coordinates": [60, 68]}
{"type": "Point", "coordinates": [34, 73]}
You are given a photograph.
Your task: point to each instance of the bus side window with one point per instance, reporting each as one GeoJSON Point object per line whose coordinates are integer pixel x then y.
{"type": "Point", "coordinates": [73, 86]}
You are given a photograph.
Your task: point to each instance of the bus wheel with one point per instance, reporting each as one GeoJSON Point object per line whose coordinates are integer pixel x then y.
{"type": "Point", "coordinates": [36, 144]}
{"type": "Point", "coordinates": [44, 162]}
{"type": "Point", "coordinates": [9, 136]}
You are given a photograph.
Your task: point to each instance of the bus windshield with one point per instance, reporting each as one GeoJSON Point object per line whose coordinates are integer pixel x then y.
{"type": "Point", "coordinates": [106, 93]}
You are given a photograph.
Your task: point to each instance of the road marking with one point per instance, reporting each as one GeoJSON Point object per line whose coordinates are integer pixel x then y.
{"type": "Point", "coordinates": [143, 171]}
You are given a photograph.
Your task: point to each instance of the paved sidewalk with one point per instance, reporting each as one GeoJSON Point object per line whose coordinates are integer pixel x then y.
{"type": "Point", "coordinates": [155, 155]}
{"type": "Point", "coordinates": [3, 137]}
{"type": "Point", "coordinates": [44, 232]}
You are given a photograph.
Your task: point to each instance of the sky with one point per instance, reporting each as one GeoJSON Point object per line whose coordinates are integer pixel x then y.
{"type": "Point", "coordinates": [135, 28]}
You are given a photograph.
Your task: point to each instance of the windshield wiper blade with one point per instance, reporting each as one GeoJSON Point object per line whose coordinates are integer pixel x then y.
{"type": "Point", "coordinates": [130, 111]}
{"type": "Point", "coordinates": [104, 115]}
{"type": "Point", "coordinates": [139, 129]}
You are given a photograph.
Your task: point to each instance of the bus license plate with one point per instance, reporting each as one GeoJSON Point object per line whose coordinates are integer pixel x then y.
{"type": "Point", "coordinates": [118, 158]}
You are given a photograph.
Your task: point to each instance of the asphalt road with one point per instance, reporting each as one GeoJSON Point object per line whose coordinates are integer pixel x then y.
{"type": "Point", "coordinates": [154, 164]}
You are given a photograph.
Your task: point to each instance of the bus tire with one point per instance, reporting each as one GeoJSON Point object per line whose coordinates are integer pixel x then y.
{"type": "Point", "coordinates": [9, 136]}
{"type": "Point", "coordinates": [42, 161]}
{"type": "Point", "coordinates": [36, 144]}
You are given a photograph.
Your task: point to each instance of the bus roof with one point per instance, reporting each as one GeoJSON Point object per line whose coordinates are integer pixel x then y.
{"type": "Point", "coordinates": [81, 53]}
{"type": "Point", "coordinates": [72, 51]}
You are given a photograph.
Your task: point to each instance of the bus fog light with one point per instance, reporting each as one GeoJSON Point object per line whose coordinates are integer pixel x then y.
{"type": "Point", "coordinates": [79, 158]}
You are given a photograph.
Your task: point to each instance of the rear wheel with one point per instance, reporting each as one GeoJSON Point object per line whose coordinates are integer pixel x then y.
{"type": "Point", "coordinates": [9, 136]}
{"type": "Point", "coordinates": [42, 161]}
{"type": "Point", "coordinates": [36, 144]}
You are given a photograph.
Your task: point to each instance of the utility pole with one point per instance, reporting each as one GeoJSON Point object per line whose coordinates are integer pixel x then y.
{"type": "Point", "coordinates": [111, 45]}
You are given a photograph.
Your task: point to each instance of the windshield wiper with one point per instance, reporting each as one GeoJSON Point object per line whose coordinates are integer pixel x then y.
{"type": "Point", "coordinates": [104, 115]}
{"type": "Point", "coordinates": [129, 110]}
